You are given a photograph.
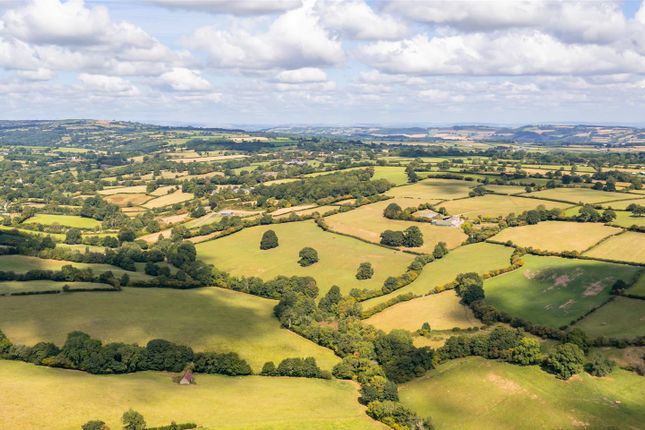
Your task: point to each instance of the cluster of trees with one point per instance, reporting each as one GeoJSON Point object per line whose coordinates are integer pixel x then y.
{"type": "Point", "coordinates": [308, 256]}
{"type": "Point", "coordinates": [81, 352]}
{"type": "Point", "coordinates": [296, 367]}
{"type": "Point", "coordinates": [133, 420]}
{"type": "Point", "coordinates": [68, 273]}
{"type": "Point", "coordinates": [355, 183]}
{"type": "Point", "coordinates": [269, 240]}
{"type": "Point", "coordinates": [365, 271]}
{"type": "Point", "coordinates": [636, 209]}
{"type": "Point", "coordinates": [411, 237]}
{"type": "Point", "coordinates": [588, 213]}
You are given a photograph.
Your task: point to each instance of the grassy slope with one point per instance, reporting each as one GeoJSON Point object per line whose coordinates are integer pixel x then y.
{"type": "Point", "coordinates": [45, 285]}
{"type": "Point", "coordinates": [557, 236]}
{"type": "Point", "coordinates": [554, 291]}
{"type": "Point", "coordinates": [39, 397]}
{"type": "Point", "coordinates": [492, 205]}
{"type": "Point", "coordinates": [66, 220]}
{"type": "Point", "coordinates": [23, 263]}
{"type": "Point", "coordinates": [368, 222]}
{"type": "Point", "coordinates": [340, 256]}
{"type": "Point", "coordinates": [443, 311]}
{"type": "Point", "coordinates": [479, 257]}
{"type": "Point", "coordinates": [623, 317]}
{"type": "Point", "coordinates": [207, 319]}
{"type": "Point", "coordinates": [629, 246]}
{"type": "Point", "coordinates": [474, 393]}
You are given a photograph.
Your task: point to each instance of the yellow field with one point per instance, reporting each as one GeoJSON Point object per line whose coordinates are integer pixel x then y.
{"type": "Point", "coordinates": [433, 189]}
{"type": "Point", "coordinates": [557, 236]}
{"type": "Point", "coordinates": [367, 222]}
{"type": "Point", "coordinates": [492, 206]}
{"type": "Point", "coordinates": [443, 311]}
{"type": "Point", "coordinates": [283, 211]}
{"type": "Point", "coordinates": [123, 200]}
{"type": "Point", "coordinates": [622, 205]}
{"type": "Point", "coordinates": [135, 189]}
{"type": "Point", "coordinates": [577, 195]}
{"type": "Point", "coordinates": [162, 191]}
{"type": "Point", "coordinates": [35, 398]}
{"type": "Point", "coordinates": [629, 246]}
{"type": "Point", "coordinates": [168, 199]}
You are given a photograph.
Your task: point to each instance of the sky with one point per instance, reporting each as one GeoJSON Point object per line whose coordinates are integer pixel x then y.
{"type": "Point", "coordinates": [323, 62]}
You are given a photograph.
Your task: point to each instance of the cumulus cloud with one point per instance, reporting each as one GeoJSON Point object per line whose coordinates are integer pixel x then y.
{"type": "Point", "coordinates": [306, 74]}
{"type": "Point", "coordinates": [182, 79]}
{"type": "Point", "coordinates": [236, 7]}
{"type": "Point", "coordinates": [107, 85]}
{"type": "Point", "coordinates": [355, 19]}
{"type": "Point", "coordinates": [295, 39]}
{"type": "Point", "coordinates": [515, 52]}
{"type": "Point", "coordinates": [40, 74]}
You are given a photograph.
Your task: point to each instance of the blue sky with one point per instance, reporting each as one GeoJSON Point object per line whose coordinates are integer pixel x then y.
{"type": "Point", "coordinates": [222, 63]}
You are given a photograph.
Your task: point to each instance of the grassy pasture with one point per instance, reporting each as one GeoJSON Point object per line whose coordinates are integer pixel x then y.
{"type": "Point", "coordinates": [66, 220]}
{"type": "Point", "coordinates": [628, 246]}
{"type": "Point", "coordinates": [168, 199]}
{"type": "Point", "coordinates": [510, 397]}
{"type": "Point", "coordinates": [367, 222]}
{"type": "Point", "coordinates": [491, 205]}
{"type": "Point", "coordinates": [10, 287]}
{"type": "Point", "coordinates": [283, 211]}
{"type": "Point", "coordinates": [134, 189]}
{"type": "Point", "coordinates": [626, 219]}
{"type": "Point", "coordinates": [443, 311]}
{"type": "Point", "coordinates": [479, 257]}
{"type": "Point", "coordinates": [622, 204]}
{"type": "Point", "coordinates": [623, 317]}
{"type": "Point", "coordinates": [506, 189]}
{"type": "Point", "coordinates": [320, 209]}
{"type": "Point", "coordinates": [557, 236]}
{"type": "Point", "coordinates": [123, 200]}
{"type": "Point", "coordinates": [36, 397]}
{"type": "Point", "coordinates": [553, 291]}
{"type": "Point", "coordinates": [638, 289]}
{"type": "Point", "coordinates": [24, 263]}
{"type": "Point", "coordinates": [394, 174]}
{"type": "Point", "coordinates": [433, 189]}
{"type": "Point", "coordinates": [207, 319]}
{"type": "Point", "coordinates": [240, 254]}
{"type": "Point", "coordinates": [576, 195]}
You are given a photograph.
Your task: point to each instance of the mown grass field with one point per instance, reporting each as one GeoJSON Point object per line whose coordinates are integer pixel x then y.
{"type": "Point", "coordinates": [434, 189]}
{"type": "Point", "coordinates": [168, 199]}
{"type": "Point", "coordinates": [479, 257]}
{"type": "Point", "coordinates": [367, 222]}
{"type": "Point", "coordinates": [134, 189]}
{"type": "Point", "coordinates": [506, 189]}
{"type": "Point", "coordinates": [626, 219]}
{"type": "Point", "coordinates": [24, 263]}
{"type": "Point", "coordinates": [11, 287]}
{"type": "Point", "coordinates": [207, 319]}
{"type": "Point", "coordinates": [34, 397]}
{"type": "Point", "coordinates": [340, 256]}
{"type": "Point", "coordinates": [557, 236]}
{"type": "Point", "coordinates": [442, 311]}
{"type": "Point", "coordinates": [491, 206]}
{"type": "Point", "coordinates": [123, 200]}
{"type": "Point", "coordinates": [554, 291]}
{"type": "Point", "coordinates": [622, 318]}
{"type": "Point", "coordinates": [576, 195]}
{"type": "Point", "coordinates": [65, 220]}
{"type": "Point", "coordinates": [628, 246]}
{"type": "Point", "coordinates": [478, 394]}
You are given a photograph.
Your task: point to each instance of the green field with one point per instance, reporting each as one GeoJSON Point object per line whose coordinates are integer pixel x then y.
{"type": "Point", "coordinates": [638, 289]}
{"type": "Point", "coordinates": [24, 263]}
{"type": "Point", "coordinates": [622, 204]}
{"type": "Point", "coordinates": [35, 397]}
{"type": "Point", "coordinates": [554, 291]}
{"type": "Point", "coordinates": [478, 394]}
{"type": "Point", "coordinates": [433, 189]}
{"type": "Point", "coordinates": [11, 287]}
{"type": "Point", "coordinates": [579, 195]}
{"type": "Point", "coordinates": [492, 206]}
{"type": "Point", "coordinates": [506, 189]}
{"type": "Point", "coordinates": [65, 220]}
{"type": "Point", "coordinates": [628, 246]}
{"type": "Point", "coordinates": [625, 219]}
{"type": "Point", "coordinates": [622, 318]}
{"type": "Point", "coordinates": [396, 175]}
{"type": "Point", "coordinates": [207, 319]}
{"type": "Point", "coordinates": [442, 311]}
{"type": "Point", "coordinates": [340, 256]}
{"type": "Point", "coordinates": [367, 222]}
{"type": "Point", "coordinates": [557, 236]}
{"type": "Point", "coordinates": [479, 257]}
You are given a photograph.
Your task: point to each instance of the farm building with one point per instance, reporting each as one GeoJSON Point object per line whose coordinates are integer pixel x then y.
{"type": "Point", "coordinates": [453, 221]}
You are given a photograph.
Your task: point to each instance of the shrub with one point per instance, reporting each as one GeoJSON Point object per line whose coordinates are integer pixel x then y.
{"type": "Point", "coordinates": [308, 256]}
{"type": "Point", "coordinates": [392, 238]}
{"type": "Point", "coordinates": [527, 352]}
{"type": "Point", "coordinates": [269, 240]}
{"type": "Point", "coordinates": [95, 425]}
{"type": "Point", "coordinates": [413, 237]}
{"type": "Point", "coordinates": [269, 369]}
{"type": "Point", "coordinates": [440, 250]}
{"type": "Point", "coordinates": [565, 360]}
{"type": "Point", "coordinates": [133, 420]}
{"type": "Point", "coordinates": [365, 271]}
{"type": "Point", "coordinates": [599, 365]}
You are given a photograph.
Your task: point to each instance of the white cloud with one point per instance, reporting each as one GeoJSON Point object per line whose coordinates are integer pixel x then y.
{"type": "Point", "coordinates": [306, 74]}
{"type": "Point", "coordinates": [182, 79]}
{"type": "Point", "coordinates": [295, 39]}
{"type": "Point", "coordinates": [355, 19]}
{"type": "Point", "coordinates": [40, 74]}
{"type": "Point", "coordinates": [232, 7]}
{"type": "Point", "coordinates": [571, 21]}
{"type": "Point", "coordinates": [515, 52]}
{"type": "Point", "coordinates": [107, 85]}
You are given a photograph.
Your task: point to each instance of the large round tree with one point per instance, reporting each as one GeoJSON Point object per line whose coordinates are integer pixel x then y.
{"type": "Point", "coordinates": [269, 240]}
